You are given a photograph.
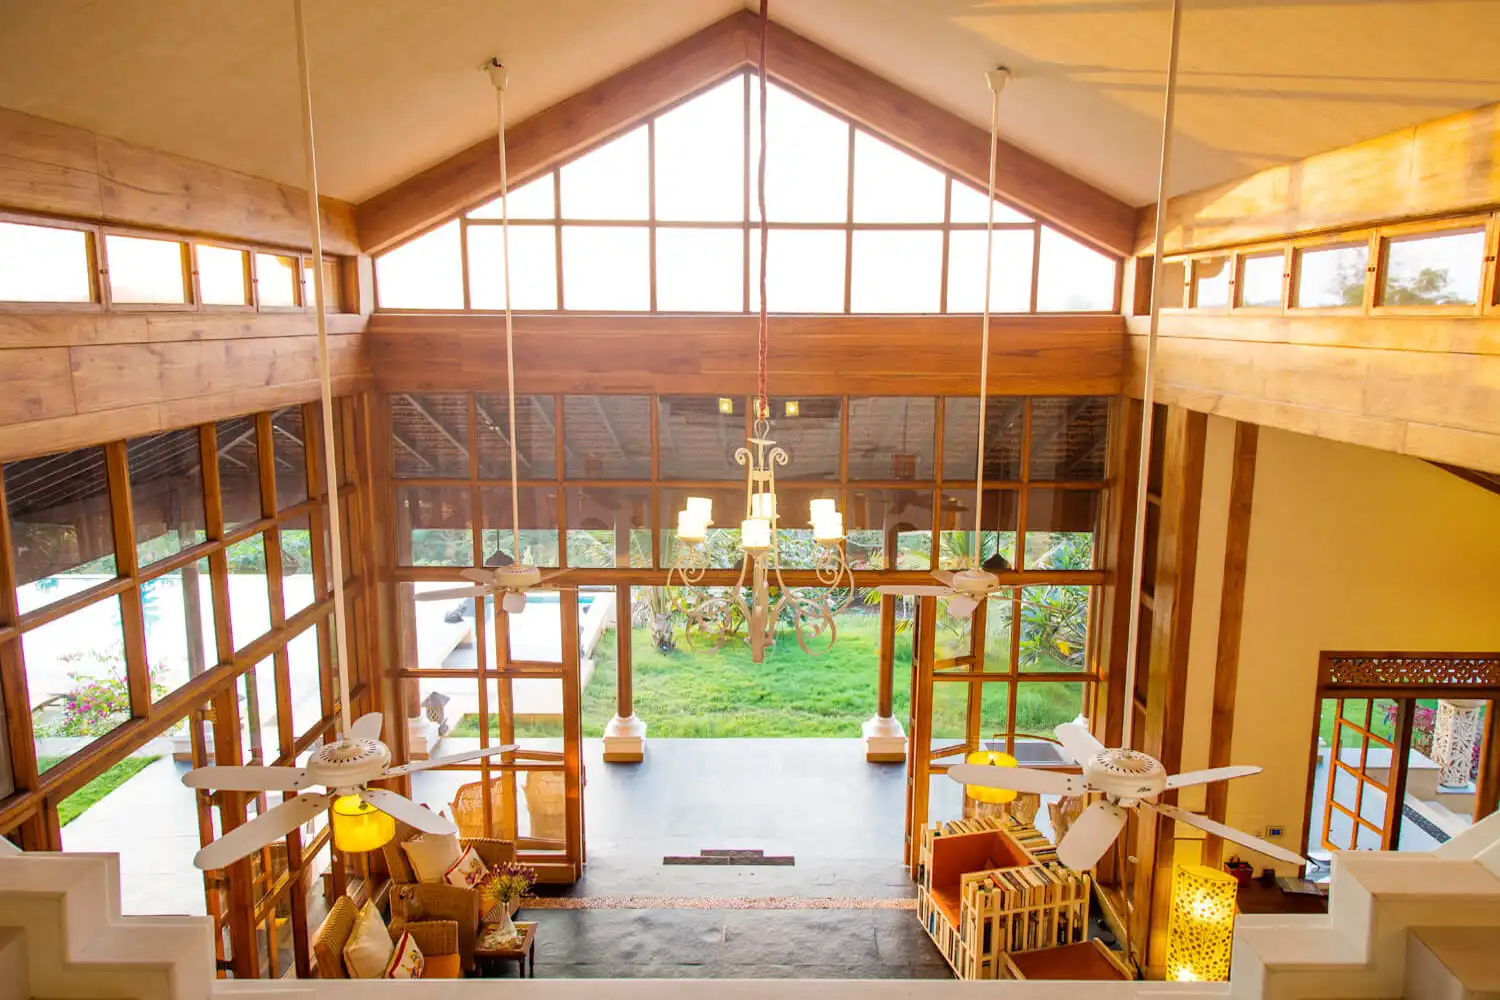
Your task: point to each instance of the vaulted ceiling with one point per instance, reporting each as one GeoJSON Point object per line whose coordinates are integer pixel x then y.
{"type": "Point", "coordinates": [397, 87]}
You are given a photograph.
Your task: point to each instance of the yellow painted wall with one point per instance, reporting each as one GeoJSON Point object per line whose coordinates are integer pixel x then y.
{"type": "Point", "coordinates": [1351, 549]}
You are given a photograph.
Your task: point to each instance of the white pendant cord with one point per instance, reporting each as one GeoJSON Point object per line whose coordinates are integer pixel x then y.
{"type": "Point", "coordinates": [330, 445]}
{"type": "Point", "coordinates": [1148, 393]}
{"type": "Point", "coordinates": [996, 80]}
{"type": "Point", "coordinates": [498, 76]}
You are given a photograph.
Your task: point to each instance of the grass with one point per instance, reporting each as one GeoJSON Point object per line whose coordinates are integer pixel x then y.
{"type": "Point", "coordinates": [81, 801]}
{"type": "Point", "coordinates": [1354, 710]}
{"type": "Point", "coordinates": [725, 694]}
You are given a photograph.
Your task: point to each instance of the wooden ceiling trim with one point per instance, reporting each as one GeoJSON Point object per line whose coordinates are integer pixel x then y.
{"type": "Point", "coordinates": [1444, 167]}
{"type": "Point", "coordinates": [608, 107]}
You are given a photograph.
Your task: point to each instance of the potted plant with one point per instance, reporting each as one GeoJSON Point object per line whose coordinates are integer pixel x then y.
{"type": "Point", "coordinates": [503, 886]}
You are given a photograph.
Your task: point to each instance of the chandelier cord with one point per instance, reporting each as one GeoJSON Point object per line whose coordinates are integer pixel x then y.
{"type": "Point", "coordinates": [763, 407]}
{"type": "Point", "coordinates": [984, 336]}
{"type": "Point", "coordinates": [499, 75]}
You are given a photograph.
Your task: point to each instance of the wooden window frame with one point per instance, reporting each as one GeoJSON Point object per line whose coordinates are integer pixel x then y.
{"type": "Point", "coordinates": [1416, 231]}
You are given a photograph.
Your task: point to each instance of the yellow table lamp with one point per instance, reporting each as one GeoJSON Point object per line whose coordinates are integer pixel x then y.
{"type": "Point", "coordinates": [994, 758]}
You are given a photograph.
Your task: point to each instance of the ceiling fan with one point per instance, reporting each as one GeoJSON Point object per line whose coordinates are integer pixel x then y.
{"type": "Point", "coordinates": [1128, 779]}
{"type": "Point", "coordinates": [343, 768]}
{"type": "Point", "coordinates": [964, 589]}
{"type": "Point", "coordinates": [513, 581]}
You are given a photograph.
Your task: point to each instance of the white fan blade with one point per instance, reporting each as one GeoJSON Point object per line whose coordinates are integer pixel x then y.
{"type": "Point", "coordinates": [247, 779]}
{"type": "Point", "coordinates": [944, 577]}
{"type": "Point", "coordinates": [962, 605]}
{"type": "Point", "coordinates": [452, 758]}
{"type": "Point", "coordinates": [911, 591]}
{"type": "Point", "coordinates": [1018, 779]}
{"type": "Point", "coordinates": [402, 808]}
{"type": "Point", "coordinates": [479, 576]}
{"type": "Point", "coordinates": [1187, 778]}
{"type": "Point", "coordinates": [1078, 742]}
{"type": "Point", "coordinates": [452, 593]}
{"type": "Point", "coordinates": [1207, 825]}
{"type": "Point", "coordinates": [260, 831]}
{"type": "Point", "coordinates": [367, 727]}
{"type": "Point", "coordinates": [1090, 835]}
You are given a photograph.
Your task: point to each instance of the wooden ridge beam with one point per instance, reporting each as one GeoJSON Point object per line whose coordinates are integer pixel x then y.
{"type": "Point", "coordinates": [619, 102]}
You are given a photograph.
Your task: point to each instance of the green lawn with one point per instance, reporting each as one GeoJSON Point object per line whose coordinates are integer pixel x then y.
{"type": "Point", "coordinates": [78, 803]}
{"type": "Point", "coordinates": [1354, 710]}
{"type": "Point", "coordinates": [724, 693]}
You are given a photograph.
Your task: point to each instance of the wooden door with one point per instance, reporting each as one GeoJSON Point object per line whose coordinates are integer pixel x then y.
{"type": "Point", "coordinates": [1366, 773]}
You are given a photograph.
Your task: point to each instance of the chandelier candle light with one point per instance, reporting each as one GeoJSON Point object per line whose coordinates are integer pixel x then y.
{"type": "Point", "coordinates": [715, 616]}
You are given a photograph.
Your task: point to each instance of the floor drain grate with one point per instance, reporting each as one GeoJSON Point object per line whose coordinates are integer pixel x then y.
{"type": "Point", "coordinates": [720, 856]}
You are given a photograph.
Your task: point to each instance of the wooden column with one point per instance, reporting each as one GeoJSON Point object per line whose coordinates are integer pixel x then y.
{"type": "Point", "coordinates": [918, 769]}
{"type": "Point", "coordinates": [624, 735]}
{"type": "Point", "coordinates": [884, 739]}
{"type": "Point", "coordinates": [572, 731]}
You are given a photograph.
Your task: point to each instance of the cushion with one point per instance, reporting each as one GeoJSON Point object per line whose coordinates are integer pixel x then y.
{"type": "Point", "coordinates": [406, 960]}
{"type": "Point", "coordinates": [432, 855]}
{"type": "Point", "coordinates": [368, 950]}
{"type": "Point", "coordinates": [468, 871]}
{"type": "Point", "coordinates": [441, 967]}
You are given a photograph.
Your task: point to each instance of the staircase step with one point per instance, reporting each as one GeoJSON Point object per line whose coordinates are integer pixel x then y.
{"type": "Point", "coordinates": [1453, 963]}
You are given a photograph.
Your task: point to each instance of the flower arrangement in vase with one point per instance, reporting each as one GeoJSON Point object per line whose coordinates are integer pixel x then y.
{"type": "Point", "coordinates": [504, 885]}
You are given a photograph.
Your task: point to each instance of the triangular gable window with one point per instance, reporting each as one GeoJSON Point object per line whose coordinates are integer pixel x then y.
{"type": "Point", "coordinates": [664, 218]}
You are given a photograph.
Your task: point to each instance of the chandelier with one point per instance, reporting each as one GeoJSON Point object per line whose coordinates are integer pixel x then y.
{"type": "Point", "coordinates": [712, 618]}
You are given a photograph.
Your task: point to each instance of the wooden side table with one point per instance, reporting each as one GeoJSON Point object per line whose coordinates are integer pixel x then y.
{"type": "Point", "coordinates": [521, 949]}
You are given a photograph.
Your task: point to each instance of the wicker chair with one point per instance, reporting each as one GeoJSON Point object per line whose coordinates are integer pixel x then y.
{"type": "Point", "coordinates": [414, 901]}
{"type": "Point", "coordinates": [545, 806]}
{"type": "Point", "coordinates": [437, 939]}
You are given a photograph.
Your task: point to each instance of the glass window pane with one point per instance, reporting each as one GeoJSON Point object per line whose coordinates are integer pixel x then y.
{"type": "Point", "coordinates": [1054, 628]}
{"type": "Point", "coordinates": [968, 207]}
{"type": "Point", "coordinates": [239, 470]}
{"type": "Point", "coordinates": [296, 565]}
{"type": "Point", "coordinates": [794, 536]}
{"type": "Point", "coordinates": [723, 536]}
{"type": "Point", "coordinates": [700, 157]}
{"type": "Point", "coordinates": [950, 704]}
{"type": "Point", "coordinates": [533, 267]}
{"type": "Point", "coordinates": [700, 270]}
{"type": "Point", "coordinates": [698, 438]}
{"type": "Point", "coordinates": [426, 273]}
{"type": "Point", "coordinates": [1004, 417]}
{"type": "Point", "coordinates": [433, 526]}
{"type": "Point", "coordinates": [276, 280]}
{"type": "Point", "coordinates": [430, 434]}
{"type": "Point", "coordinates": [892, 437]}
{"type": "Point", "coordinates": [1261, 280]}
{"type": "Point", "coordinates": [1174, 284]}
{"type": "Point", "coordinates": [1332, 277]}
{"type": "Point", "coordinates": [538, 534]}
{"type": "Point", "coordinates": [41, 264]}
{"type": "Point", "coordinates": [893, 186]}
{"type": "Point", "coordinates": [1211, 282]}
{"type": "Point", "coordinates": [1073, 277]}
{"type": "Point", "coordinates": [249, 599]}
{"type": "Point", "coordinates": [888, 529]}
{"type": "Point", "coordinates": [898, 271]}
{"type": "Point", "coordinates": [807, 160]}
{"type": "Point", "coordinates": [536, 437]}
{"type": "Point", "coordinates": [532, 200]}
{"type": "Point", "coordinates": [436, 634]}
{"type": "Point", "coordinates": [609, 527]}
{"type": "Point", "coordinates": [75, 677]}
{"type": "Point", "coordinates": [1010, 274]}
{"type": "Point", "coordinates": [607, 437]}
{"type": "Point", "coordinates": [1060, 526]}
{"type": "Point", "coordinates": [221, 276]}
{"type": "Point", "coordinates": [145, 271]}
{"type": "Point", "coordinates": [181, 638]}
{"type": "Point", "coordinates": [606, 268]}
{"type": "Point", "coordinates": [306, 680]}
{"type": "Point", "coordinates": [166, 492]}
{"type": "Point", "coordinates": [1042, 706]}
{"type": "Point", "coordinates": [1436, 270]}
{"type": "Point", "coordinates": [997, 550]}
{"type": "Point", "coordinates": [62, 538]}
{"type": "Point", "coordinates": [260, 742]}
{"type": "Point", "coordinates": [1069, 437]}
{"type": "Point", "coordinates": [806, 272]}
{"type": "Point", "coordinates": [610, 182]}
{"type": "Point", "coordinates": [333, 285]}
{"type": "Point", "coordinates": [810, 429]}
{"type": "Point", "coordinates": [288, 443]}
{"type": "Point", "coordinates": [998, 630]}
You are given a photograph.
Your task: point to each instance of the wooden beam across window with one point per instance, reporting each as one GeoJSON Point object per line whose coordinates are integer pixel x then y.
{"type": "Point", "coordinates": [562, 131]}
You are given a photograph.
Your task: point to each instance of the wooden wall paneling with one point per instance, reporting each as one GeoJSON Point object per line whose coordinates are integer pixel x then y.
{"type": "Point", "coordinates": [1117, 546]}
{"type": "Point", "coordinates": [1231, 623]}
{"type": "Point", "coordinates": [34, 384]}
{"type": "Point", "coordinates": [46, 166]}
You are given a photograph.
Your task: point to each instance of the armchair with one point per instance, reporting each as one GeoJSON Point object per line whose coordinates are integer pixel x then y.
{"type": "Point", "coordinates": [414, 902]}
{"type": "Point", "coordinates": [437, 939]}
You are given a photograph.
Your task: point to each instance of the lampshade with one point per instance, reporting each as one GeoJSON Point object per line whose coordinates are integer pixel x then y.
{"type": "Point", "coordinates": [1200, 929]}
{"type": "Point", "coordinates": [358, 827]}
{"type": "Point", "coordinates": [994, 758]}
{"type": "Point", "coordinates": [755, 533]}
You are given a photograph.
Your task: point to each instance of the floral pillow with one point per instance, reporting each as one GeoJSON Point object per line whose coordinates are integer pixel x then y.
{"type": "Point", "coordinates": [468, 871]}
{"type": "Point", "coordinates": [406, 960]}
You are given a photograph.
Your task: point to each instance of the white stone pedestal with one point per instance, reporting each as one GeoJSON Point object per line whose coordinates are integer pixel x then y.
{"type": "Point", "coordinates": [421, 738]}
{"type": "Point", "coordinates": [884, 739]}
{"type": "Point", "coordinates": [625, 741]}
{"type": "Point", "coordinates": [1455, 734]}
